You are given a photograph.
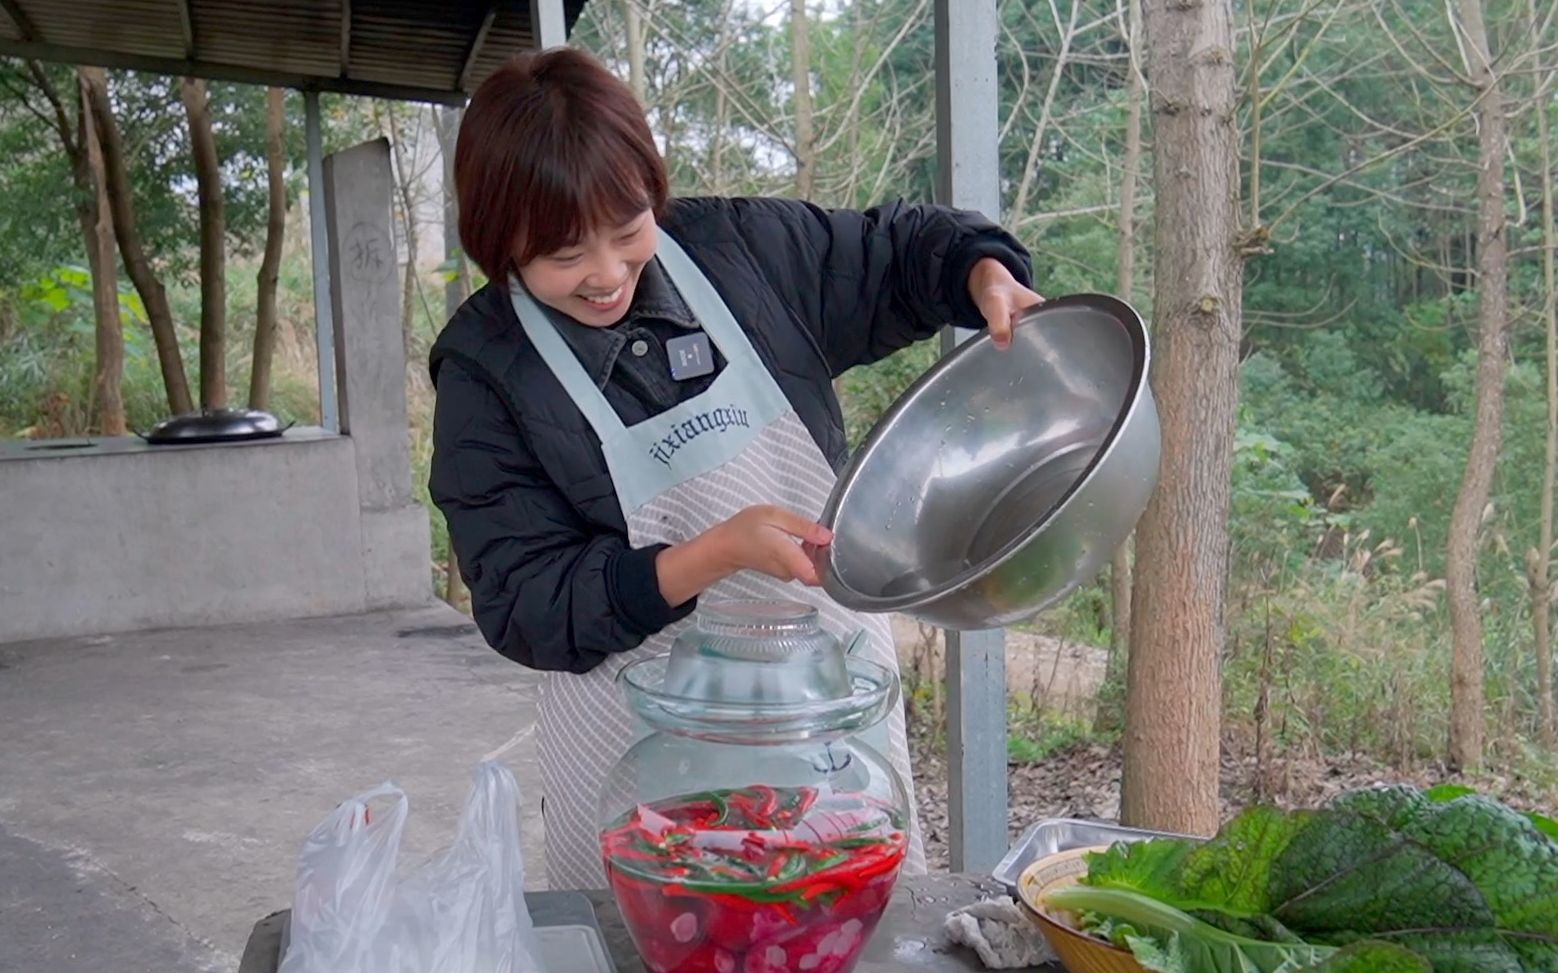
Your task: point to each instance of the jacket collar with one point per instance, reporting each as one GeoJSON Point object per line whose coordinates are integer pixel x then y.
{"type": "Point", "coordinates": [655, 299]}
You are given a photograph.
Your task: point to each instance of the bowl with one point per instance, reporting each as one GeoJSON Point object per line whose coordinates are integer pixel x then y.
{"type": "Point", "coordinates": [1002, 479]}
{"type": "Point", "coordinates": [1077, 951]}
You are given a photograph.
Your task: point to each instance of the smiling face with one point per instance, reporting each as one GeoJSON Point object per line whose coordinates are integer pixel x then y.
{"type": "Point", "coordinates": [593, 280]}
{"type": "Point", "coordinates": [560, 183]}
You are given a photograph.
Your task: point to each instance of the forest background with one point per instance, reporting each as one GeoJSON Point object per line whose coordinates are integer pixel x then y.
{"type": "Point", "coordinates": [1379, 414]}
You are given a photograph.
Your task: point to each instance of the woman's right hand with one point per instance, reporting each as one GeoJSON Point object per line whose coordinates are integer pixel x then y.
{"type": "Point", "coordinates": [773, 541]}
{"type": "Point", "coordinates": [769, 540]}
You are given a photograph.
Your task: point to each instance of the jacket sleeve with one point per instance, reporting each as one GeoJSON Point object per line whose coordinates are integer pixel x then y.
{"type": "Point", "coordinates": [548, 589]}
{"type": "Point", "coordinates": [867, 283]}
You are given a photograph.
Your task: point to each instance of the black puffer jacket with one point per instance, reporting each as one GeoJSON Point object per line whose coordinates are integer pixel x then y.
{"type": "Point", "coordinates": [518, 472]}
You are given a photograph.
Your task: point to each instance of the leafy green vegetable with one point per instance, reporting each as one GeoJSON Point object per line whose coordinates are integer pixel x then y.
{"type": "Point", "coordinates": [1169, 940]}
{"type": "Point", "coordinates": [1374, 957]}
{"type": "Point", "coordinates": [1449, 792]}
{"type": "Point", "coordinates": [1459, 881]}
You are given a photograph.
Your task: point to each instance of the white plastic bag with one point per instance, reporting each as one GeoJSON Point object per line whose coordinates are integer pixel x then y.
{"type": "Point", "coordinates": [462, 912]}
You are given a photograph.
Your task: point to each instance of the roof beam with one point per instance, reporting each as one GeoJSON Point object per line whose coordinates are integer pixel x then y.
{"type": "Point", "coordinates": [184, 67]}
{"type": "Point", "coordinates": [346, 38]}
{"type": "Point", "coordinates": [474, 51]}
{"type": "Point", "coordinates": [23, 23]}
{"type": "Point", "coordinates": [187, 24]}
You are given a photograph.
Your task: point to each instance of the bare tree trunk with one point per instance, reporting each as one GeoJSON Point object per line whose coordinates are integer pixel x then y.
{"type": "Point", "coordinates": [1542, 559]}
{"type": "Point", "coordinates": [405, 183]}
{"type": "Point", "coordinates": [635, 31]}
{"type": "Point", "coordinates": [103, 260]}
{"type": "Point", "coordinates": [1173, 694]}
{"type": "Point", "coordinates": [1467, 720]}
{"type": "Point", "coordinates": [1135, 92]}
{"type": "Point", "coordinates": [456, 291]}
{"type": "Point", "coordinates": [1125, 284]}
{"type": "Point", "coordinates": [849, 191]}
{"type": "Point", "coordinates": [213, 245]}
{"type": "Point", "coordinates": [717, 151]}
{"type": "Point", "coordinates": [270, 264]}
{"type": "Point", "coordinates": [95, 220]}
{"type": "Point", "coordinates": [805, 127]}
{"type": "Point", "coordinates": [1030, 168]}
{"type": "Point", "coordinates": [127, 232]}
{"type": "Point", "coordinates": [720, 134]}
{"type": "Point", "coordinates": [1257, 56]}
{"type": "Point", "coordinates": [805, 133]}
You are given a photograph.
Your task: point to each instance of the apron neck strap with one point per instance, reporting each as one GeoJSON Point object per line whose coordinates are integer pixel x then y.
{"type": "Point", "coordinates": [707, 308]}
{"type": "Point", "coordinates": [564, 363]}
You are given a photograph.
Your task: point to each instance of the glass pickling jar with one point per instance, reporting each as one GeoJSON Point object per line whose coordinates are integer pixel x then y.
{"type": "Point", "coordinates": [753, 830]}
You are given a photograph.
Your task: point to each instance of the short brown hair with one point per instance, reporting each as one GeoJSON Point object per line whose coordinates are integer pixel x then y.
{"type": "Point", "coordinates": [552, 145]}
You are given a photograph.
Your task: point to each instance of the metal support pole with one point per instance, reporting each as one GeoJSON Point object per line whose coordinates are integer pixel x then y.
{"type": "Point", "coordinates": [319, 235]}
{"type": "Point", "coordinates": [968, 177]}
{"type": "Point", "coordinates": [547, 23]}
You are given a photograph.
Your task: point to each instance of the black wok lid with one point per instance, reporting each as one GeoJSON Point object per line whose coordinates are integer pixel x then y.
{"type": "Point", "coordinates": [216, 426]}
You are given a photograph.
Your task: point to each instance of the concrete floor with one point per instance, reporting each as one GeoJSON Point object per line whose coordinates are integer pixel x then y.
{"type": "Point", "coordinates": [155, 788]}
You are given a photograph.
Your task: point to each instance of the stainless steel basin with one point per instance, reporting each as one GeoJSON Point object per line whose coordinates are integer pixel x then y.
{"type": "Point", "coordinates": [1001, 480]}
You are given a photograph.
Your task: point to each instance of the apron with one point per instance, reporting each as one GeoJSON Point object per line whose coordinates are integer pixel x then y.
{"type": "Point", "coordinates": [676, 475]}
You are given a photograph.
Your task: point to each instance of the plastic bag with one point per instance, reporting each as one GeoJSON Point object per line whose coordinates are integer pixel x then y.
{"type": "Point", "coordinates": [462, 912]}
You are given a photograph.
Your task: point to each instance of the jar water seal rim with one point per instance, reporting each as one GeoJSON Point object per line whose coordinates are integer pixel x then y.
{"type": "Point", "coordinates": [874, 691]}
{"type": "Point", "coordinates": [758, 619]}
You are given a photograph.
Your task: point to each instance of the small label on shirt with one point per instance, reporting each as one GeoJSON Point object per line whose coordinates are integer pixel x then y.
{"type": "Point", "coordinates": [691, 356]}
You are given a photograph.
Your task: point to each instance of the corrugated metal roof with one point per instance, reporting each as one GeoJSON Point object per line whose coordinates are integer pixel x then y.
{"type": "Point", "coordinates": [407, 49]}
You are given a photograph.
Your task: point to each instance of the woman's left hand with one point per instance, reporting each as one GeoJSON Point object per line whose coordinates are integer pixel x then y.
{"type": "Point", "coordinates": [1000, 297]}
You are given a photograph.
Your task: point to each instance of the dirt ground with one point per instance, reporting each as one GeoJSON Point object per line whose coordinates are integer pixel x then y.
{"type": "Point", "coordinates": [1063, 676]}
{"type": "Point", "coordinates": [1084, 781]}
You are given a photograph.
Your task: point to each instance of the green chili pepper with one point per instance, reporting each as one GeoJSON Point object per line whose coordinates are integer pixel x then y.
{"type": "Point", "coordinates": [774, 869]}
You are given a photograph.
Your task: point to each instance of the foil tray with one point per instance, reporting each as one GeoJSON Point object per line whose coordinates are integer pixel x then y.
{"type": "Point", "coordinates": [1062, 834]}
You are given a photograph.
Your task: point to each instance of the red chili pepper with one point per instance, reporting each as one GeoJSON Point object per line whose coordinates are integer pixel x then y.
{"type": "Point", "coordinates": [692, 907]}
{"type": "Point", "coordinates": [776, 864]}
{"type": "Point", "coordinates": [769, 804]}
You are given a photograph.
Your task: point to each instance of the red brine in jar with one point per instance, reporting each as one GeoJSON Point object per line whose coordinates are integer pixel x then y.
{"type": "Point", "coordinates": [754, 880]}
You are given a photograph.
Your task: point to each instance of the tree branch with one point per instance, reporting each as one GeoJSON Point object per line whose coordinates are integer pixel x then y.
{"type": "Point", "coordinates": [61, 122]}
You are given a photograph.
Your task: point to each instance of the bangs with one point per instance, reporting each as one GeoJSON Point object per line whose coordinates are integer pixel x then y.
{"type": "Point", "coordinates": [582, 187]}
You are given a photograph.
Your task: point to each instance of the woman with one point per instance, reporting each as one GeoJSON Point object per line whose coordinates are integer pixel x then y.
{"type": "Point", "coordinates": [638, 412]}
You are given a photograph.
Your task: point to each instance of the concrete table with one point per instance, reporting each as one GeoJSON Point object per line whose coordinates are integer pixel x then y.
{"type": "Point", "coordinates": [911, 936]}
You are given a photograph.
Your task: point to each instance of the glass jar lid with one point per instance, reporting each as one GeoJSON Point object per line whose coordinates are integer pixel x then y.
{"type": "Point", "coordinates": [757, 652]}
{"type": "Point", "coordinates": [758, 670]}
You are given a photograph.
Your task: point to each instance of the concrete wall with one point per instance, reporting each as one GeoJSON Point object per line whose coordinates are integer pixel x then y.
{"type": "Point", "coordinates": [123, 536]}
{"type": "Point", "coordinates": [115, 535]}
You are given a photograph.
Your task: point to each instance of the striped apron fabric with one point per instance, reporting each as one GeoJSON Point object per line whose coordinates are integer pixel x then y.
{"type": "Point", "coordinates": [737, 445]}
